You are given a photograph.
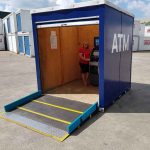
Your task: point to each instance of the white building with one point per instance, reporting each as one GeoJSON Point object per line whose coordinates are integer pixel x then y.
{"type": "Point", "coordinates": [18, 30]}
{"type": "Point", "coordinates": [147, 31]}
{"type": "Point", "coordinates": [141, 37]}
{"type": "Point", "coordinates": [2, 43]}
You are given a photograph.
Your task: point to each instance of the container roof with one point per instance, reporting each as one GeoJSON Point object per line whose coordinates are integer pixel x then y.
{"type": "Point", "coordinates": [3, 14]}
{"type": "Point", "coordinates": [80, 5]}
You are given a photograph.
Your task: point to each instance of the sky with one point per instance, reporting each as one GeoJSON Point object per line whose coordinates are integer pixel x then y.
{"type": "Point", "coordinates": [140, 8]}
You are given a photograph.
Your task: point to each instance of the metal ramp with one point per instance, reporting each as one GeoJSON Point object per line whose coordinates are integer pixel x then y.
{"type": "Point", "coordinates": [51, 116]}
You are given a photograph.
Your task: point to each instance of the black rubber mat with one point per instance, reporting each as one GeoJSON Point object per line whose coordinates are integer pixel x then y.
{"type": "Point", "coordinates": [52, 111]}
{"type": "Point", "coordinates": [65, 102]}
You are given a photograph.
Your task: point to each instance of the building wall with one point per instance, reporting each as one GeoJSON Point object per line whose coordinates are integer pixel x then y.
{"type": "Point", "coordinates": [144, 43]}
{"type": "Point", "coordinates": [147, 31]}
{"type": "Point", "coordinates": [2, 39]}
{"type": "Point", "coordinates": [1, 27]}
{"type": "Point", "coordinates": [11, 30]}
{"type": "Point", "coordinates": [141, 37]}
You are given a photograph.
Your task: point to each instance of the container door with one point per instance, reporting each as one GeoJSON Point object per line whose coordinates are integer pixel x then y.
{"type": "Point", "coordinates": [18, 17]}
{"type": "Point", "coordinates": [20, 44]}
{"type": "Point", "coordinates": [27, 45]}
{"type": "Point", "coordinates": [50, 58]}
{"type": "Point", "coordinates": [70, 54]}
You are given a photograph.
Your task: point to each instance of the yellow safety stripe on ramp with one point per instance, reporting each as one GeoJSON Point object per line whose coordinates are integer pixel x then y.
{"type": "Point", "coordinates": [35, 130]}
{"type": "Point", "coordinates": [60, 107]}
{"type": "Point", "coordinates": [43, 115]}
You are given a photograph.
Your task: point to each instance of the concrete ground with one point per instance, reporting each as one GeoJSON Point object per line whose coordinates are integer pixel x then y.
{"type": "Point", "coordinates": [125, 125]}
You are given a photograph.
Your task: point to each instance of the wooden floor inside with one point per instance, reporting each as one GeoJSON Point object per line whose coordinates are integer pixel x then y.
{"type": "Point", "coordinates": [77, 91]}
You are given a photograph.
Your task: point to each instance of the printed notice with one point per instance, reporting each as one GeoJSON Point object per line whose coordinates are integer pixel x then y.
{"type": "Point", "coordinates": [53, 40]}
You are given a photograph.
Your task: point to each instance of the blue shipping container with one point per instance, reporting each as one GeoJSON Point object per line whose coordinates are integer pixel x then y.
{"type": "Point", "coordinates": [115, 45]}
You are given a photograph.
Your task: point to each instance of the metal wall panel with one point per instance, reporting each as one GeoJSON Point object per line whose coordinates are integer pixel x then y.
{"type": "Point", "coordinates": [117, 55]}
{"type": "Point", "coordinates": [126, 56]}
{"type": "Point", "coordinates": [111, 60]}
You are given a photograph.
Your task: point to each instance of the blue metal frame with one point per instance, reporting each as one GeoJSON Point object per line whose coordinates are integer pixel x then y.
{"type": "Point", "coordinates": [82, 118]}
{"type": "Point", "coordinates": [37, 59]}
{"type": "Point", "coordinates": [20, 102]}
{"type": "Point", "coordinates": [66, 14]}
{"type": "Point", "coordinates": [101, 59]}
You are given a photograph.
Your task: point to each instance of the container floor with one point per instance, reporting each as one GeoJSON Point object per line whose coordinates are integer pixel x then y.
{"type": "Point", "coordinates": [77, 91]}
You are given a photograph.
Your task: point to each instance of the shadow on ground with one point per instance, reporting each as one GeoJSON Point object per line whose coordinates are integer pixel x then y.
{"type": "Point", "coordinates": [137, 100]}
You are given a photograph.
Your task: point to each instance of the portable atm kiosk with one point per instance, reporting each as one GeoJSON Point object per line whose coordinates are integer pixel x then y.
{"type": "Point", "coordinates": [94, 63]}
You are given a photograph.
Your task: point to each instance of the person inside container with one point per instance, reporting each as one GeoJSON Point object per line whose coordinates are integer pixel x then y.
{"type": "Point", "coordinates": [84, 55]}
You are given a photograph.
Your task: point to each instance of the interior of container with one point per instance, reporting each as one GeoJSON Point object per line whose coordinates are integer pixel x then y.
{"type": "Point", "coordinates": [59, 62]}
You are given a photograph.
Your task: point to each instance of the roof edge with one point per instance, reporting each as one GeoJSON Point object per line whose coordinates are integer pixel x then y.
{"type": "Point", "coordinates": [80, 5]}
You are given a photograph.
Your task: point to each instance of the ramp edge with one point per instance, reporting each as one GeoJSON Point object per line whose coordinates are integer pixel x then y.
{"type": "Point", "coordinates": [78, 121]}
{"type": "Point", "coordinates": [20, 102]}
{"type": "Point", "coordinates": [35, 130]}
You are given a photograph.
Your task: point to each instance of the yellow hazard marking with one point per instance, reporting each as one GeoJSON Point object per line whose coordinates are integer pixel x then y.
{"type": "Point", "coordinates": [35, 130]}
{"type": "Point", "coordinates": [43, 115]}
{"type": "Point", "coordinates": [60, 107]}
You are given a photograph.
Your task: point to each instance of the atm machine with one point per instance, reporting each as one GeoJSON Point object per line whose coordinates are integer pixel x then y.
{"type": "Point", "coordinates": [94, 64]}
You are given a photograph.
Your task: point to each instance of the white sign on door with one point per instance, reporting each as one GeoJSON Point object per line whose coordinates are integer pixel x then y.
{"type": "Point", "coordinates": [53, 40]}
